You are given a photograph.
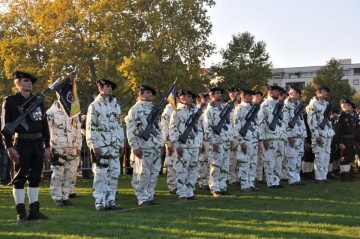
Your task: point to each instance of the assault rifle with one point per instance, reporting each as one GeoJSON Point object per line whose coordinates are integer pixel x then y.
{"type": "Point", "coordinates": [191, 124]}
{"type": "Point", "coordinates": [250, 116]}
{"type": "Point", "coordinates": [30, 105]}
{"type": "Point", "coordinates": [327, 114]}
{"type": "Point", "coordinates": [224, 116]}
{"type": "Point", "coordinates": [297, 113]}
{"type": "Point", "coordinates": [277, 115]}
{"type": "Point", "coordinates": [154, 116]}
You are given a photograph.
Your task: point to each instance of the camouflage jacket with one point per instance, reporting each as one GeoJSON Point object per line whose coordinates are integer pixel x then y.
{"type": "Point", "coordinates": [103, 124]}
{"type": "Point", "coordinates": [315, 111]}
{"type": "Point", "coordinates": [238, 121]}
{"type": "Point", "coordinates": [64, 132]}
{"type": "Point", "coordinates": [265, 117]}
{"type": "Point", "coordinates": [212, 118]}
{"type": "Point", "coordinates": [165, 123]}
{"type": "Point", "coordinates": [178, 126]}
{"type": "Point", "coordinates": [137, 122]}
{"type": "Point", "coordinates": [299, 130]}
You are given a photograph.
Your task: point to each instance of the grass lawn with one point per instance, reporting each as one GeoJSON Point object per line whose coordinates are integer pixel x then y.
{"type": "Point", "coordinates": [312, 211]}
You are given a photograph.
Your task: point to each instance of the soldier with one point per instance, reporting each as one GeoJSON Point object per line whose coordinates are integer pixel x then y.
{"type": "Point", "coordinates": [272, 138]}
{"type": "Point", "coordinates": [257, 100]}
{"type": "Point", "coordinates": [147, 153]}
{"type": "Point", "coordinates": [5, 164]}
{"type": "Point", "coordinates": [219, 150]}
{"type": "Point", "coordinates": [233, 176]}
{"type": "Point", "coordinates": [27, 151]}
{"type": "Point", "coordinates": [345, 138]}
{"type": "Point", "coordinates": [170, 154]}
{"type": "Point", "coordinates": [186, 162]}
{"type": "Point", "coordinates": [105, 138]}
{"type": "Point", "coordinates": [202, 176]}
{"type": "Point", "coordinates": [65, 142]}
{"type": "Point", "coordinates": [248, 144]}
{"type": "Point", "coordinates": [296, 134]}
{"type": "Point", "coordinates": [321, 136]}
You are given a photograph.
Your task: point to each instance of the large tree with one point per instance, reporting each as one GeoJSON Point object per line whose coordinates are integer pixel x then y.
{"type": "Point", "coordinates": [245, 62]}
{"type": "Point", "coordinates": [107, 38]}
{"type": "Point", "coordinates": [331, 76]}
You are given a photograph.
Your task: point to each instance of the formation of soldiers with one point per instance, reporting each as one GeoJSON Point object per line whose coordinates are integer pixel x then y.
{"type": "Point", "coordinates": [208, 141]}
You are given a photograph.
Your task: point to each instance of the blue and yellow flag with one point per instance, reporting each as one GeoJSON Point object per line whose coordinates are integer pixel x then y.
{"type": "Point", "coordinates": [68, 96]}
{"type": "Point", "coordinates": [172, 97]}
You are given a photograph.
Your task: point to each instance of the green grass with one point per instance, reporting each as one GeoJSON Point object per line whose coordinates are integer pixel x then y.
{"type": "Point", "coordinates": [312, 211]}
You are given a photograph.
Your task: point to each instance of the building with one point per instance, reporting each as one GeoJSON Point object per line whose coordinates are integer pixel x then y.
{"type": "Point", "coordinates": [302, 76]}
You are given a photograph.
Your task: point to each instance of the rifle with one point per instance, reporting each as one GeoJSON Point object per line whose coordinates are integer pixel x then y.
{"type": "Point", "coordinates": [326, 118]}
{"type": "Point", "coordinates": [154, 116]}
{"type": "Point", "coordinates": [250, 116]}
{"type": "Point", "coordinates": [191, 124]}
{"type": "Point", "coordinates": [31, 104]}
{"type": "Point", "coordinates": [297, 112]}
{"type": "Point", "coordinates": [224, 116]}
{"type": "Point", "coordinates": [277, 115]}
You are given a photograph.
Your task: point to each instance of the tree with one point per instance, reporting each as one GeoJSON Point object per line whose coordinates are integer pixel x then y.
{"type": "Point", "coordinates": [50, 38]}
{"type": "Point", "coordinates": [331, 76]}
{"type": "Point", "coordinates": [245, 62]}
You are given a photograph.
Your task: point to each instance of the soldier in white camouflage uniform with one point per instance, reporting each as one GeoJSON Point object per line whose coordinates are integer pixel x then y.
{"type": "Point", "coordinates": [147, 153]}
{"type": "Point", "coordinates": [170, 154]}
{"type": "Point", "coordinates": [257, 99]}
{"type": "Point", "coordinates": [233, 175]}
{"type": "Point", "coordinates": [105, 138]}
{"type": "Point", "coordinates": [320, 138]}
{"type": "Point", "coordinates": [202, 176]}
{"type": "Point", "coordinates": [272, 140]}
{"type": "Point", "coordinates": [187, 160]}
{"type": "Point", "coordinates": [294, 145]}
{"type": "Point", "coordinates": [248, 144]}
{"type": "Point", "coordinates": [219, 150]}
{"type": "Point", "coordinates": [65, 141]}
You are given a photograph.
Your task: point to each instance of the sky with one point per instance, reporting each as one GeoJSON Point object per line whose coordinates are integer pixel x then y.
{"type": "Point", "coordinates": [296, 32]}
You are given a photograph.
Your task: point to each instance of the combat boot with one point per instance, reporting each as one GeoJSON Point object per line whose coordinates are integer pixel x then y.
{"type": "Point", "coordinates": [21, 215]}
{"type": "Point", "coordinates": [34, 213]}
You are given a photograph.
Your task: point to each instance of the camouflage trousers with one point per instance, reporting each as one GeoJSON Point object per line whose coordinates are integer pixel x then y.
{"type": "Point", "coordinates": [147, 171]}
{"type": "Point", "coordinates": [293, 157]}
{"type": "Point", "coordinates": [260, 163]}
{"type": "Point", "coordinates": [73, 182]}
{"type": "Point", "coordinates": [248, 162]}
{"type": "Point", "coordinates": [273, 158]}
{"type": "Point", "coordinates": [170, 172]}
{"type": "Point", "coordinates": [322, 157]}
{"type": "Point", "coordinates": [219, 167]}
{"type": "Point", "coordinates": [106, 178]}
{"type": "Point", "coordinates": [202, 176]}
{"type": "Point", "coordinates": [62, 177]}
{"type": "Point", "coordinates": [186, 168]}
{"type": "Point", "coordinates": [233, 176]}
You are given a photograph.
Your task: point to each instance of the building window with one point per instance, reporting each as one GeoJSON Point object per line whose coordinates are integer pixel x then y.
{"type": "Point", "coordinates": [356, 71]}
{"type": "Point", "coordinates": [356, 82]}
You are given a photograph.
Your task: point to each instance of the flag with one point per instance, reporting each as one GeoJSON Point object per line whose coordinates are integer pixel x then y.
{"type": "Point", "coordinates": [172, 97]}
{"type": "Point", "coordinates": [69, 99]}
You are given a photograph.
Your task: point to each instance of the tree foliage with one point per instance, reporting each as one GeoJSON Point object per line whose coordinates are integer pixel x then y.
{"type": "Point", "coordinates": [245, 62]}
{"type": "Point", "coordinates": [127, 41]}
{"type": "Point", "coordinates": [331, 76]}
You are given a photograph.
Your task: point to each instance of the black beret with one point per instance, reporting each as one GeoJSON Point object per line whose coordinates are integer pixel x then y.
{"type": "Point", "coordinates": [216, 88]}
{"type": "Point", "coordinates": [146, 87]}
{"type": "Point", "coordinates": [257, 92]}
{"type": "Point", "coordinates": [103, 81]}
{"type": "Point", "coordinates": [297, 89]}
{"type": "Point", "coordinates": [21, 74]}
{"type": "Point", "coordinates": [247, 91]}
{"type": "Point", "coordinates": [203, 94]}
{"type": "Point", "coordinates": [322, 87]}
{"type": "Point", "coordinates": [346, 101]}
{"type": "Point", "coordinates": [275, 87]}
{"type": "Point", "coordinates": [187, 92]}
{"type": "Point", "coordinates": [233, 89]}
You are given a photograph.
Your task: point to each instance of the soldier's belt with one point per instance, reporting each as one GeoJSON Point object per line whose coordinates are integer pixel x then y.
{"type": "Point", "coordinates": [28, 136]}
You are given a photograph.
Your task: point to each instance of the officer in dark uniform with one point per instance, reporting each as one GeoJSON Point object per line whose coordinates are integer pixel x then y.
{"type": "Point", "coordinates": [345, 138]}
{"type": "Point", "coordinates": [27, 151]}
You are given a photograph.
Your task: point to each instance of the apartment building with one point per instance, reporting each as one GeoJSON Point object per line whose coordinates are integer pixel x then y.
{"type": "Point", "coordinates": [302, 76]}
